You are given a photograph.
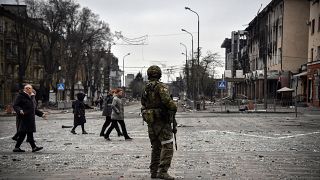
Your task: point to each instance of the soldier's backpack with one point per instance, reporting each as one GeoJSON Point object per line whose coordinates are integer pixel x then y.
{"type": "Point", "coordinates": [149, 95]}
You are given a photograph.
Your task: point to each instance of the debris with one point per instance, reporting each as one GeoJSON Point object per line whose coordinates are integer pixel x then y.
{"type": "Point", "coordinates": [63, 126]}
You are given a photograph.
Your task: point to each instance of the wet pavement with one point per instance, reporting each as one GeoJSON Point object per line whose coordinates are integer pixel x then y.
{"type": "Point", "coordinates": [210, 146]}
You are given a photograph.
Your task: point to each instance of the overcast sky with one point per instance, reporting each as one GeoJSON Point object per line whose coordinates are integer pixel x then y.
{"type": "Point", "coordinates": [162, 21]}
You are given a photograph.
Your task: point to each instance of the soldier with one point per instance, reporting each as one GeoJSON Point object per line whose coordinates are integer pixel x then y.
{"type": "Point", "coordinates": [157, 108]}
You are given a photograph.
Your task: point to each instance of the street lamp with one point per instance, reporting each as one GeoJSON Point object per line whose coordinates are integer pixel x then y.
{"type": "Point", "coordinates": [191, 41]}
{"type": "Point", "coordinates": [198, 50]}
{"type": "Point", "coordinates": [192, 65]}
{"type": "Point", "coordinates": [123, 67]}
{"type": "Point", "coordinates": [187, 69]}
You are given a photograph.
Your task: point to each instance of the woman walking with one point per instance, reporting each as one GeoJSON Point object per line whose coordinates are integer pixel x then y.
{"type": "Point", "coordinates": [117, 115]}
{"type": "Point", "coordinates": [79, 113]}
{"type": "Point", "coordinates": [107, 113]}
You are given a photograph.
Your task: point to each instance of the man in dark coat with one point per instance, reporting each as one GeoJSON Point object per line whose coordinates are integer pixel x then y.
{"type": "Point", "coordinates": [26, 110]}
{"type": "Point", "coordinates": [16, 136]}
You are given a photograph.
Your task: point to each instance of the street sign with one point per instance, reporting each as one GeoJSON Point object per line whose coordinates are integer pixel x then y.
{"type": "Point", "coordinates": [60, 86]}
{"type": "Point", "coordinates": [222, 84]}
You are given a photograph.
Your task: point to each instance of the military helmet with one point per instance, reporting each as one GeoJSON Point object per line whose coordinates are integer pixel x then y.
{"type": "Point", "coordinates": [154, 72]}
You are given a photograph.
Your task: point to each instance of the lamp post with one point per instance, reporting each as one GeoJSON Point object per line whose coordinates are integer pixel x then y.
{"type": "Point", "coordinates": [191, 41]}
{"type": "Point", "coordinates": [198, 50]}
{"type": "Point", "coordinates": [192, 66]}
{"type": "Point", "coordinates": [187, 69]}
{"type": "Point", "coordinates": [123, 67]}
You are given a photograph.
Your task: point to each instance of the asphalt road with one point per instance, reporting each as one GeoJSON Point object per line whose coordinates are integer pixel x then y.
{"type": "Point", "coordinates": [210, 146]}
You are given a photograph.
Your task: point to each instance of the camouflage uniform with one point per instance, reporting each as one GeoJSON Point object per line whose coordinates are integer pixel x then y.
{"type": "Point", "coordinates": [156, 100]}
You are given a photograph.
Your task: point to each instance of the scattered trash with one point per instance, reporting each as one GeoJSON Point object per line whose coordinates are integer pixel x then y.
{"type": "Point", "coordinates": [182, 125]}
{"type": "Point", "coordinates": [63, 126]}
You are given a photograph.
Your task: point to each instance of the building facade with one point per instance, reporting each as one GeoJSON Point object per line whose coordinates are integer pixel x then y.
{"type": "Point", "coordinates": [313, 66]}
{"type": "Point", "coordinates": [20, 57]}
{"type": "Point", "coordinates": [278, 40]}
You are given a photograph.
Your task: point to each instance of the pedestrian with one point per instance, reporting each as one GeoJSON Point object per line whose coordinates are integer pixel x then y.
{"type": "Point", "coordinates": [157, 109]}
{"type": "Point", "coordinates": [33, 97]}
{"type": "Point", "coordinates": [79, 113]}
{"type": "Point", "coordinates": [107, 113]}
{"type": "Point", "coordinates": [26, 109]}
{"type": "Point", "coordinates": [101, 103]}
{"type": "Point", "coordinates": [117, 115]}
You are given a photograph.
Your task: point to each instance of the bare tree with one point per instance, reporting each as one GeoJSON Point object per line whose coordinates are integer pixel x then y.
{"type": "Point", "coordinates": [70, 36]}
{"type": "Point", "coordinates": [207, 70]}
{"type": "Point", "coordinates": [84, 32]}
{"type": "Point", "coordinates": [23, 31]}
{"type": "Point", "coordinates": [51, 16]}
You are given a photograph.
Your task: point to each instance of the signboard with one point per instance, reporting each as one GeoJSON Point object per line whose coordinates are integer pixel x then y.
{"type": "Point", "coordinates": [222, 84]}
{"type": "Point", "coordinates": [60, 86]}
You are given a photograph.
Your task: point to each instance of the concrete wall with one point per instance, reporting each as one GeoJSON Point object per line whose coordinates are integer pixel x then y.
{"type": "Point", "coordinates": [314, 39]}
{"type": "Point", "coordinates": [295, 34]}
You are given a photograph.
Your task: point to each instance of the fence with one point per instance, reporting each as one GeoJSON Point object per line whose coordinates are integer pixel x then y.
{"type": "Point", "coordinates": [251, 106]}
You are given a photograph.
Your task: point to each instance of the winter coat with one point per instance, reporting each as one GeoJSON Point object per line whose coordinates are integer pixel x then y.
{"type": "Point", "coordinates": [79, 113]}
{"type": "Point", "coordinates": [26, 122]}
{"type": "Point", "coordinates": [117, 109]}
{"type": "Point", "coordinates": [79, 110]}
{"type": "Point", "coordinates": [107, 106]}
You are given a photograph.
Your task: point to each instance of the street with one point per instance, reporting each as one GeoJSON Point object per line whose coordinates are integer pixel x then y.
{"type": "Point", "coordinates": [210, 146]}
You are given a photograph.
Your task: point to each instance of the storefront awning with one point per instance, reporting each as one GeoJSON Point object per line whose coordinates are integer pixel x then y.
{"type": "Point", "coordinates": [301, 74]}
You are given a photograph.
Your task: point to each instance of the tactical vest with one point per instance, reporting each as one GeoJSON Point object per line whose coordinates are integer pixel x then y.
{"type": "Point", "coordinates": [151, 96]}
{"type": "Point", "coordinates": [154, 107]}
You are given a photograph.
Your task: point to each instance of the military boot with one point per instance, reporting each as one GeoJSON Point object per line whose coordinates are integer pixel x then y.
{"type": "Point", "coordinates": [164, 175]}
{"type": "Point", "coordinates": [154, 175]}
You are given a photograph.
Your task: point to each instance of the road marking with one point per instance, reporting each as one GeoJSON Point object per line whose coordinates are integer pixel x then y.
{"type": "Point", "coordinates": [297, 135]}
{"type": "Point", "coordinates": [259, 136]}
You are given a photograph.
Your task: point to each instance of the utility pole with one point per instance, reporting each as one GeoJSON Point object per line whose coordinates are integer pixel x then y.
{"type": "Point", "coordinates": [265, 88]}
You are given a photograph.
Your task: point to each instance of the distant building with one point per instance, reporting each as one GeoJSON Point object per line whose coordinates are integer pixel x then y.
{"type": "Point", "coordinates": [235, 62]}
{"type": "Point", "coordinates": [313, 66]}
{"type": "Point", "coordinates": [278, 35]}
{"type": "Point", "coordinates": [17, 52]}
{"type": "Point", "coordinates": [129, 78]}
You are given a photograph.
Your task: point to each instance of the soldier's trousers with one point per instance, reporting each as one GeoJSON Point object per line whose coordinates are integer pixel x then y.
{"type": "Point", "coordinates": [162, 149]}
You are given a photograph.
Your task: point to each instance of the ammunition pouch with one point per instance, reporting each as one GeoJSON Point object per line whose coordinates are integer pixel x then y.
{"type": "Point", "coordinates": [149, 115]}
